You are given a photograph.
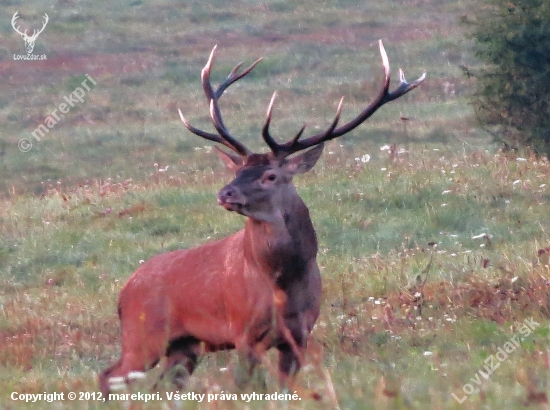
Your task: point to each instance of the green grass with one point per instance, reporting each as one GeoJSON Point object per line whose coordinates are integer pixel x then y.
{"type": "Point", "coordinates": [67, 254]}
{"type": "Point", "coordinates": [93, 198]}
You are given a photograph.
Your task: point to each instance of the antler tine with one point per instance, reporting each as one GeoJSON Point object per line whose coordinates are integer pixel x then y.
{"type": "Point", "coordinates": [383, 97]}
{"type": "Point", "coordinates": [212, 96]}
{"type": "Point", "coordinates": [297, 136]}
{"type": "Point", "coordinates": [265, 130]}
{"type": "Point", "coordinates": [294, 145]}
{"type": "Point", "coordinates": [204, 134]}
{"type": "Point", "coordinates": [13, 20]}
{"type": "Point", "coordinates": [215, 113]}
{"type": "Point", "coordinates": [233, 76]}
{"type": "Point", "coordinates": [220, 127]}
{"type": "Point", "coordinates": [46, 19]}
{"type": "Point", "coordinates": [336, 119]}
{"type": "Point", "coordinates": [405, 87]}
{"type": "Point", "coordinates": [278, 150]}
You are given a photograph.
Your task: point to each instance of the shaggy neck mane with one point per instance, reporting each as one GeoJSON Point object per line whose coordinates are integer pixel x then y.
{"type": "Point", "coordinates": [282, 247]}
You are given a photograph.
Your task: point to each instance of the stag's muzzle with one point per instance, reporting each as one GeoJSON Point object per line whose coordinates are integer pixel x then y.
{"type": "Point", "coordinates": [231, 198]}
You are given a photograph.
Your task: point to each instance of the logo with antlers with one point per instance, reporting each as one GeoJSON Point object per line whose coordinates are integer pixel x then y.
{"type": "Point", "coordinates": [29, 40]}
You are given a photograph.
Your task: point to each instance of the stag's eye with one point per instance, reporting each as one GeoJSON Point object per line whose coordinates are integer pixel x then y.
{"type": "Point", "coordinates": [269, 176]}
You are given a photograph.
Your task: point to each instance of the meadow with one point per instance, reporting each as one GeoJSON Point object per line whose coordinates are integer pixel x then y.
{"type": "Point", "coordinates": [434, 243]}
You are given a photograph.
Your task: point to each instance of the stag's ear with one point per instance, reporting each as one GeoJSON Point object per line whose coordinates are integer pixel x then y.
{"type": "Point", "coordinates": [232, 162]}
{"type": "Point", "coordinates": [304, 162]}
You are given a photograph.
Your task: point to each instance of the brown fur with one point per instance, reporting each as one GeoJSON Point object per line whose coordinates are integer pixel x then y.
{"type": "Point", "coordinates": [256, 289]}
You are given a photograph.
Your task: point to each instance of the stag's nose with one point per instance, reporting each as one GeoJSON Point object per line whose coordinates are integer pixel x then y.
{"type": "Point", "coordinates": [229, 195]}
{"type": "Point", "coordinates": [225, 194]}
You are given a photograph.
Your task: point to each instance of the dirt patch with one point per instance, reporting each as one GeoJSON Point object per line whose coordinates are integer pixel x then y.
{"type": "Point", "coordinates": [95, 65]}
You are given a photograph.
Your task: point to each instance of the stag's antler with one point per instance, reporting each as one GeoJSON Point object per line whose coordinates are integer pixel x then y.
{"type": "Point", "coordinates": [35, 32]}
{"type": "Point", "coordinates": [295, 144]}
{"type": "Point", "coordinates": [212, 96]}
{"type": "Point", "coordinates": [13, 19]}
{"type": "Point", "coordinates": [46, 19]}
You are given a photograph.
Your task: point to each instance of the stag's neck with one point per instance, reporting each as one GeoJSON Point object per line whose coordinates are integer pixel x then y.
{"type": "Point", "coordinates": [284, 245]}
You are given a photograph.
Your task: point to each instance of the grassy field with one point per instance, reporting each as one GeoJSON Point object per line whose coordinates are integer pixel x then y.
{"type": "Point", "coordinates": [434, 244]}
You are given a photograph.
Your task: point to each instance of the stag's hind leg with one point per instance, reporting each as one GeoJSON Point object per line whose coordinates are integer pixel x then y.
{"type": "Point", "coordinates": [118, 373]}
{"type": "Point", "coordinates": [138, 356]}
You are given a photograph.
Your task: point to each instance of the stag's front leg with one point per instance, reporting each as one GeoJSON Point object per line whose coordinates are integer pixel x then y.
{"type": "Point", "coordinates": [182, 357]}
{"type": "Point", "coordinates": [292, 348]}
{"type": "Point", "coordinates": [247, 364]}
{"type": "Point", "coordinates": [250, 355]}
{"type": "Point", "coordinates": [289, 362]}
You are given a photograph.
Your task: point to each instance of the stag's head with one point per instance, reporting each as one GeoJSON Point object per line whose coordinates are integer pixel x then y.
{"type": "Point", "coordinates": [262, 186]}
{"type": "Point", "coordinates": [29, 40]}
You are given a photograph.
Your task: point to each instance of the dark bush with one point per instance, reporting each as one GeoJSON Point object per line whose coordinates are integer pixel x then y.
{"type": "Point", "coordinates": [512, 39]}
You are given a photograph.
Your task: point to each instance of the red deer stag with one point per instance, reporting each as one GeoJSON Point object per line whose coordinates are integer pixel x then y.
{"type": "Point", "coordinates": [253, 290]}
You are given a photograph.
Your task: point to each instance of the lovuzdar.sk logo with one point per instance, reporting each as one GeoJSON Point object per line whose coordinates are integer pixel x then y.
{"type": "Point", "coordinates": [29, 40]}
